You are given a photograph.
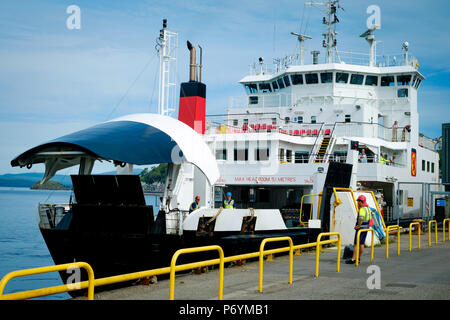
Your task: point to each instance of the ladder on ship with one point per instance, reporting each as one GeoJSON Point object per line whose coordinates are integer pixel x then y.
{"type": "Point", "coordinates": [321, 152]}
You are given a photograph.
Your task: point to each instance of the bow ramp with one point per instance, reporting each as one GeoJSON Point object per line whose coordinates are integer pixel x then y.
{"type": "Point", "coordinates": [140, 139]}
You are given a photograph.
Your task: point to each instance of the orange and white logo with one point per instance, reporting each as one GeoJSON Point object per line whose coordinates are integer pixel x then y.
{"type": "Point", "coordinates": [413, 162]}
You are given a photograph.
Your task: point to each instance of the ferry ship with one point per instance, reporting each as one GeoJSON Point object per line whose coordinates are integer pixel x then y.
{"type": "Point", "coordinates": [298, 131]}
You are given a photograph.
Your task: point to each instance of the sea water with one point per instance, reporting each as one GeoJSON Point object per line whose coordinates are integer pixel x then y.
{"type": "Point", "coordinates": [21, 242]}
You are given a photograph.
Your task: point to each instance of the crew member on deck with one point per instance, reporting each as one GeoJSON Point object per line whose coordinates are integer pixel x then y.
{"type": "Point", "coordinates": [229, 203]}
{"type": "Point", "coordinates": [194, 206]}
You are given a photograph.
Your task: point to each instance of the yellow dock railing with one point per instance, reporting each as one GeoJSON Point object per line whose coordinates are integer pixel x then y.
{"type": "Point", "coordinates": [357, 244]}
{"type": "Point", "coordinates": [319, 243]}
{"type": "Point", "coordinates": [198, 264]}
{"type": "Point", "coordinates": [429, 231]}
{"type": "Point", "coordinates": [443, 229]}
{"type": "Point", "coordinates": [51, 290]}
{"type": "Point", "coordinates": [389, 229]}
{"type": "Point", "coordinates": [417, 223]}
{"type": "Point", "coordinates": [261, 258]}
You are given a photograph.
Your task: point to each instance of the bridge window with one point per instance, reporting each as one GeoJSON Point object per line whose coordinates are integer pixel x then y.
{"type": "Point", "coordinates": [387, 81]}
{"type": "Point", "coordinates": [313, 119]}
{"type": "Point", "coordinates": [289, 156]}
{"type": "Point", "coordinates": [275, 86]}
{"type": "Point", "coordinates": [287, 81]}
{"type": "Point", "coordinates": [403, 80]}
{"type": "Point", "coordinates": [286, 120]}
{"type": "Point", "coordinates": [341, 77]}
{"type": "Point", "coordinates": [371, 81]}
{"type": "Point", "coordinates": [265, 87]}
{"type": "Point", "coordinates": [280, 83]}
{"type": "Point", "coordinates": [326, 77]}
{"type": "Point", "coordinates": [418, 83]}
{"type": "Point", "coordinates": [251, 88]}
{"type": "Point", "coordinates": [300, 119]}
{"type": "Point", "coordinates": [311, 78]}
{"type": "Point", "coordinates": [297, 79]}
{"type": "Point", "coordinates": [356, 79]}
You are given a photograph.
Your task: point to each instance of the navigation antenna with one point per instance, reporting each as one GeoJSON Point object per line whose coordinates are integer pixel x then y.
{"type": "Point", "coordinates": [301, 39]}
{"type": "Point", "coordinates": [370, 38]}
{"type": "Point", "coordinates": [329, 41]}
{"type": "Point", "coordinates": [167, 45]}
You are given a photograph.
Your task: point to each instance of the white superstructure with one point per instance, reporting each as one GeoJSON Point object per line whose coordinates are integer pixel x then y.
{"type": "Point", "coordinates": [293, 120]}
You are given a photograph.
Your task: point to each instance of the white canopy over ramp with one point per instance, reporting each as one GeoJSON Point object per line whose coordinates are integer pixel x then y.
{"type": "Point", "coordinates": [140, 139]}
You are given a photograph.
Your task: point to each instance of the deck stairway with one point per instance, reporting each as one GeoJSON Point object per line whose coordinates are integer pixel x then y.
{"type": "Point", "coordinates": [320, 157]}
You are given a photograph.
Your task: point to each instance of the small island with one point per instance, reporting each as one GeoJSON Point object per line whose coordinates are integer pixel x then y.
{"type": "Point", "coordinates": [49, 185]}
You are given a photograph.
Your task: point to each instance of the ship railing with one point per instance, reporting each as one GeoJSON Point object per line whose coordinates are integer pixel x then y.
{"type": "Point", "coordinates": [306, 129]}
{"type": "Point", "coordinates": [384, 60]}
{"type": "Point", "coordinates": [268, 100]}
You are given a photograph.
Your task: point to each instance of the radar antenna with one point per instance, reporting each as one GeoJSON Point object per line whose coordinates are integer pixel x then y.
{"type": "Point", "coordinates": [301, 39]}
{"type": "Point", "coordinates": [370, 38]}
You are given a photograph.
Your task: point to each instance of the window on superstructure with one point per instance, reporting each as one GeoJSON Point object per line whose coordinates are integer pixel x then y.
{"type": "Point", "coordinates": [287, 82]}
{"type": "Point", "coordinates": [235, 122]}
{"type": "Point", "coordinates": [432, 167]}
{"type": "Point", "coordinates": [348, 118]}
{"type": "Point", "coordinates": [356, 79]}
{"type": "Point", "coordinates": [371, 81]}
{"type": "Point", "coordinates": [413, 83]}
{"type": "Point", "coordinates": [297, 79]}
{"type": "Point", "coordinates": [402, 93]}
{"type": "Point", "coordinates": [262, 154]}
{"type": "Point", "coordinates": [245, 121]}
{"type": "Point", "coordinates": [286, 120]}
{"type": "Point", "coordinates": [341, 77]}
{"type": "Point", "coordinates": [311, 78]}
{"type": "Point", "coordinates": [240, 154]}
{"type": "Point", "coordinates": [265, 87]}
{"type": "Point", "coordinates": [313, 119]}
{"type": "Point", "coordinates": [280, 83]}
{"type": "Point", "coordinates": [387, 81]}
{"type": "Point", "coordinates": [289, 156]}
{"type": "Point", "coordinates": [253, 100]}
{"type": "Point", "coordinates": [423, 165]}
{"type": "Point", "coordinates": [301, 157]}
{"type": "Point", "coordinates": [251, 88]}
{"type": "Point", "coordinates": [326, 77]}
{"type": "Point", "coordinates": [428, 166]}
{"type": "Point", "coordinates": [221, 154]}
{"type": "Point", "coordinates": [281, 155]}
{"type": "Point", "coordinates": [300, 119]}
{"type": "Point", "coordinates": [403, 80]}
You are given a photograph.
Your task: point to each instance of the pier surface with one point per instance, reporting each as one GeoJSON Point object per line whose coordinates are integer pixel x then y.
{"type": "Point", "coordinates": [418, 275]}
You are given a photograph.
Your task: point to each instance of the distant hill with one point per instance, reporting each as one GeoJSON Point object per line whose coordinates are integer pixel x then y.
{"type": "Point", "coordinates": [27, 180]}
{"type": "Point", "coordinates": [49, 185]}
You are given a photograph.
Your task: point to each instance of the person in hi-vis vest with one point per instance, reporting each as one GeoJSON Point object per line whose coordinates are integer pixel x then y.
{"type": "Point", "coordinates": [229, 203]}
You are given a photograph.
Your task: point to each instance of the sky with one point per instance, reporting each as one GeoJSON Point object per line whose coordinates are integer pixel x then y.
{"type": "Point", "coordinates": [55, 80]}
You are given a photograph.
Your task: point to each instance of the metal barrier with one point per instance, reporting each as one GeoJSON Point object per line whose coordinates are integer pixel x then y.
{"type": "Point", "coordinates": [443, 226]}
{"type": "Point", "coordinates": [357, 244]}
{"type": "Point", "coordinates": [393, 228]}
{"type": "Point", "coordinates": [310, 211]}
{"type": "Point", "coordinates": [418, 223]}
{"type": "Point", "coordinates": [48, 291]}
{"type": "Point", "coordinates": [429, 231]}
{"type": "Point", "coordinates": [319, 243]}
{"type": "Point", "coordinates": [261, 258]}
{"type": "Point", "coordinates": [198, 264]}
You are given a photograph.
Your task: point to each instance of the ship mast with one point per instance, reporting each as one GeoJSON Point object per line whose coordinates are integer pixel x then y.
{"type": "Point", "coordinates": [329, 41]}
{"type": "Point", "coordinates": [166, 46]}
